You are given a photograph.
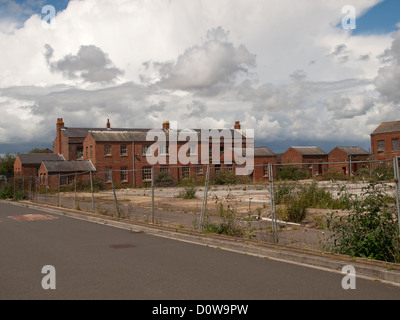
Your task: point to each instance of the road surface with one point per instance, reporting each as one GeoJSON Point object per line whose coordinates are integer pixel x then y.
{"type": "Point", "coordinates": [93, 261]}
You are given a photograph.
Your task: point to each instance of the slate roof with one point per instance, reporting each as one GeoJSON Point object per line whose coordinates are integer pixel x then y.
{"type": "Point", "coordinates": [69, 166]}
{"type": "Point", "coordinates": [129, 135]}
{"type": "Point", "coordinates": [354, 151]}
{"type": "Point", "coordinates": [37, 158]}
{"type": "Point", "coordinates": [310, 151]}
{"type": "Point", "coordinates": [387, 127]}
{"type": "Point", "coordinates": [82, 132]}
{"type": "Point", "coordinates": [263, 152]}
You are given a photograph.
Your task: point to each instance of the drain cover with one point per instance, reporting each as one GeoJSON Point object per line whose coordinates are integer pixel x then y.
{"type": "Point", "coordinates": [122, 246]}
{"type": "Point", "coordinates": [32, 217]}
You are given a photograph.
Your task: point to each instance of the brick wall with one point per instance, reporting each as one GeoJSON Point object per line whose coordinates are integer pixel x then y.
{"type": "Point", "coordinates": [388, 152]}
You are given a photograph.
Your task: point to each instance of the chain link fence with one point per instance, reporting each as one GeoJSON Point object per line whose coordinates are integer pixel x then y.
{"type": "Point", "coordinates": [289, 206]}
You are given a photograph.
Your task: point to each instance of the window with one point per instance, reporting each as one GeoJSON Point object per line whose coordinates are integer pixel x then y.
{"type": "Point", "coordinates": [87, 152]}
{"type": "Point", "coordinates": [229, 167]}
{"type": "Point", "coordinates": [108, 175]}
{"type": "Point", "coordinates": [199, 170]}
{"type": "Point", "coordinates": [163, 149]}
{"type": "Point", "coordinates": [123, 150]}
{"type": "Point", "coordinates": [79, 152]}
{"type": "Point", "coordinates": [124, 174]}
{"type": "Point", "coordinates": [395, 145]}
{"type": "Point", "coordinates": [146, 173]}
{"type": "Point", "coordinates": [265, 170]}
{"type": "Point", "coordinates": [185, 172]}
{"type": "Point", "coordinates": [91, 151]}
{"type": "Point", "coordinates": [217, 168]}
{"type": "Point", "coordinates": [381, 146]}
{"type": "Point", "coordinates": [164, 169]}
{"type": "Point", "coordinates": [146, 150]}
{"type": "Point", "coordinates": [191, 151]}
{"type": "Point", "coordinates": [107, 150]}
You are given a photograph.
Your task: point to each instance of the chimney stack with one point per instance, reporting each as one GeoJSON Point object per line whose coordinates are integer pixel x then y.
{"type": "Point", "coordinates": [237, 125]}
{"type": "Point", "coordinates": [60, 125]}
{"type": "Point", "coordinates": [165, 125]}
{"type": "Point", "coordinates": [108, 124]}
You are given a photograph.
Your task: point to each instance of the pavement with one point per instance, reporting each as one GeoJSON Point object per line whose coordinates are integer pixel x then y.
{"type": "Point", "coordinates": [368, 269]}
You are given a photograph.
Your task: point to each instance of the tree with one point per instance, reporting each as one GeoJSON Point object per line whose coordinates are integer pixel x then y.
{"type": "Point", "coordinates": [7, 165]}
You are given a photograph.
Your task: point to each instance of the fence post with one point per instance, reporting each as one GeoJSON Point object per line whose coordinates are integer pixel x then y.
{"type": "Point", "coordinates": [75, 191]}
{"type": "Point", "coordinates": [47, 197]}
{"type": "Point", "coordinates": [115, 196]}
{"type": "Point", "coordinates": [152, 194]}
{"type": "Point", "coordinates": [37, 189]}
{"type": "Point", "coordinates": [204, 206]}
{"type": "Point", "coordinates": [58, 189]}
{"type": "Point", "coordinates": [272, 196]}
{"type": "Point", "coordinates": [397, 183]}
{"type": "Point", "coordinates": [91, 189]}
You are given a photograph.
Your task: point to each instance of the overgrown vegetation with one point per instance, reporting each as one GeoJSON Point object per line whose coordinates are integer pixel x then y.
{"type": "Point", "coordinates": [189, 192]}
{"type": "Point", "coordinates": [6, 192]}
{"type": "Point", "coordinates": [225, 177]}
{"type": "Point", "coordinates": [292, 173]}
{"type": "Point", "coordinates": [370, 230]}
{"type": "Point", "coordinates": [229, 223]}
{"type": "Point", "coordinates": [297, 198]}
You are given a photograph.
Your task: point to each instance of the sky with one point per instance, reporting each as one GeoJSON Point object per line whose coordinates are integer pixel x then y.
{"type": "Point", "coordinates": [296, 71]}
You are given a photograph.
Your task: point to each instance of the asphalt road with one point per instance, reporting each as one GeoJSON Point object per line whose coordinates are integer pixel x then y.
{"type": "Point", "coordinates": [95, 261]}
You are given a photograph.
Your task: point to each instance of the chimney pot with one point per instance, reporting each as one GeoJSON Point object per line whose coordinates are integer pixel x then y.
{"type": "Point", "coordinates": [165, 125]}
{"type": "Point", "coordinates": [237, 125]}
{"type": "Point", "coordinates": [108, 124]}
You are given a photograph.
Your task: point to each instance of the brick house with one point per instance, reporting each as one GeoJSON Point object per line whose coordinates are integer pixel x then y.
{"type": "Point", "coordinates": [28, 164]}
{"type": "Point", "coordinates": [385, 141]}
{"type": "Point", "coordinates": [347, 154]}
{"type": "Point", "coordinates": [126, 154]}
{"type": "Point", "coordinates": [262, 157]}
{"type": "Point", "coordinates": [51, 171]}
{"type": "Point", "coordinates": [69, 140]}
{"type": "Point", "coordinates": [312, 159]}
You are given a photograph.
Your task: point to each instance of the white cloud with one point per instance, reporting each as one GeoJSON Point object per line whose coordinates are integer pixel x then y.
{"type": "Point", "coordinates": [282, 68]}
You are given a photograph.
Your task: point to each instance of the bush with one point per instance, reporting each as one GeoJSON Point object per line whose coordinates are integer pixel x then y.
{"type": "Point", "coordinates": [298, 199]}
{"type": "Point", "coordinates": [188, 193]}
{"type": "Point", "coordinates": [292, 173]}
{"type": "Point", "coordinates": [164, 179]}
{"type": "Point", "coordinates": [383, 172]}
{"type": "Point", "coordinates": [230, 225]}
{"type": "Point", "coordinates": [371, 229]}
{"type": "Point", "coordinates": [226, 177]}
{"type": "Point", "coordinates": [19, 195]}
{"type": "Point", "coordinates": [6, 192]}
{"type": "Point", "coordinates": [334, 175]}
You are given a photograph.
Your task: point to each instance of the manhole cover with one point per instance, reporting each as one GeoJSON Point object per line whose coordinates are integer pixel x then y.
{"type": "Point", "coordinates": [32, 217]}
{"type": "Point", "coordinates": [122, 246]}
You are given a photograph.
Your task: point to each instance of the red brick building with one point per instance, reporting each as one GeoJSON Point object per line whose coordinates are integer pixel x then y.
{"type": "Point", "coordinates": [385, 141]}
{"type": "Point", "coordinates": [312, 159]}
{"type": "Point", "coordinates": [28, 164]}
{"type": "Point", "coordinates": [348, 154]}
{"type": "Point", "coordinates": [51, 171]}
{"type": "Point", "coordinates": [124, 152]}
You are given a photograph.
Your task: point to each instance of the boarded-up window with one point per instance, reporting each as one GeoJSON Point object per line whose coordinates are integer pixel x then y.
{"type": "Point", "coordinates": [107, 150]}
{"type": "Point", "coordinates": [381, 146]}
{"type": "Point", "coordinates": [395, 145]}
